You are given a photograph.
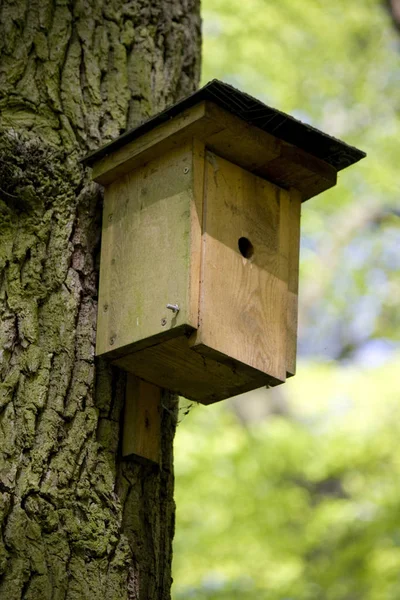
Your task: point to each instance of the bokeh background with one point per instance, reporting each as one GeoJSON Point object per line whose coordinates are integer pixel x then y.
{"type": "Point", "coordinates": [294, 493]}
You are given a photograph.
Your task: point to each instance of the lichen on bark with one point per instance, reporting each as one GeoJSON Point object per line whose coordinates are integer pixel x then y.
{"type": "Point", "coordinates": [76, 521]}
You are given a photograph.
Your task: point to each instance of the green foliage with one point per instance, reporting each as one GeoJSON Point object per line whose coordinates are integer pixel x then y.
{"type": "Point", "coordinates": [306, 507]}
{"type": "Point", "coordinates": [303, 507]}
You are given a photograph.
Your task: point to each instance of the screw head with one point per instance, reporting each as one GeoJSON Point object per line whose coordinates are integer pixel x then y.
{"type": "Point", "coordinates": [186, 170]}
{"type": "Point", "coordinates": [110, 218]}
{"type": "Point", "coordinates": [112, 340]}
{"type": "Point", "coordinates": [105, 307]}
{"type": "Point", "coordinates": [163, 322]}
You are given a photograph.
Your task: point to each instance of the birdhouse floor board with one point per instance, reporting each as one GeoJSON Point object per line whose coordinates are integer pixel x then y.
{"type": "Point", "coordinates": [205, 377]}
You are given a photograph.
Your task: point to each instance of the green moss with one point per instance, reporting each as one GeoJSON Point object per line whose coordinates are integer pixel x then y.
{"type": "Point", "coordinates": [71, 92]}
{"type": "Point", "coordinates": [41, 46]}
{"type": "Point", "coordinates": [72, 76]}
{"type": "Point", "coordinates": [127, 35]}
{"type": "Point", "coordinates": [108, 435]}
{"type": "Point", "coordinates": [9, 437]}
{"type": "Point", "coordinates": [7, 386]}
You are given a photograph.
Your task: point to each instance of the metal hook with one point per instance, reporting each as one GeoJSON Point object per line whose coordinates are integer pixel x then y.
{"type": "Point", "coordinates": [173, 307]}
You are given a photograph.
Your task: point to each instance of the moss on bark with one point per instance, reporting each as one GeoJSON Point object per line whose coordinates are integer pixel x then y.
{"type": "Point", "coordinates": [76, 521]}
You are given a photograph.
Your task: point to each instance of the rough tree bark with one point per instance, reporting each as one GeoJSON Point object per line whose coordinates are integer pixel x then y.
{"type": "Point", "coordinates": [76, 521]}
{"type": "Point", "coordinates": [393, 7]}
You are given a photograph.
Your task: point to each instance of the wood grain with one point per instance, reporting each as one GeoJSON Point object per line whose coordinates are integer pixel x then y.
{"type": "Point", "coordinates": [296, 168]}
{"type": "Point", "coordinates": [160, 140]}
{"type": "Point", "coordinates": [231, 138]}
{"type": "Point", "coordinates": [170, 235]}
{"type": "Point", "coordinates": [142, 418]}
{"type": "Point", "coordinates": [240, 143]}
{"type": "Point", "coordinates": [196, 223]}
{"type": "Point", "coordinates": [243, 302]}
{"type": "Point", "coordinates": [151, 234]}
{"type": "Point", "coordinates": [293, 280]}
{"type": "Point", "coordinates": [204, 377]}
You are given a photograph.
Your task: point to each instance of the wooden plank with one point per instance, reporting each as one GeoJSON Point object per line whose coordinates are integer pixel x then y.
{"type": "Point", "coordinates": [164, 138]}
{"type": "Point", "coordinates": [284, 257]}
{"type": "Point", "coordinates": [240, 143]}
{"type": "Point", "coordinates": [205, 377]}
{"type": "Point", "coordinates": [243, 301]}
{"type": "Point", "coordinates": [295, 168]}
{"type": "Point", "coordinates": [142, 420]}
{"type": "Point", "coordinates": [231, 138]}
{"type": "Point", "coordinates": [224, 133]}
{"type": "Point", "coordinates": [293, 280]}
{"type": "Point", "coordinates": [196, 223]}
{"type": "Point", "coordinates": [146, 253]}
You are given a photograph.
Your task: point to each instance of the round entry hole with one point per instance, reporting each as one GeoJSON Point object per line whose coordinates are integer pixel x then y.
{"type": "Point", "coordinates": [246, 248]}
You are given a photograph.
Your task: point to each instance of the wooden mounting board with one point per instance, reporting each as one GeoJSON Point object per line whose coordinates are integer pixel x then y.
{"type": "Point", "coordinates": [142, 420]}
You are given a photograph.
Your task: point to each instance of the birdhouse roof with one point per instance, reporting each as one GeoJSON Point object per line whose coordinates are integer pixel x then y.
{"type": "Point", "coordinates": [254, 112]}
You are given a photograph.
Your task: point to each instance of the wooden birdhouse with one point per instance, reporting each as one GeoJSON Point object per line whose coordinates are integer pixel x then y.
{"type": "Point", "coordinates": [200, 243]}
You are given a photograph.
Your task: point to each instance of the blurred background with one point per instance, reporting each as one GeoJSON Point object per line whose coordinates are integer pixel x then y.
{"type": "Point", "coordinates": [294, 493]}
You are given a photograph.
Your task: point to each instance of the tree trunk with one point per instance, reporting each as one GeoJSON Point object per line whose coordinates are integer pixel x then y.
{"type": "Point", "coordinates": [76, 521]}
{"type": "Point", "coordinates": [393, 7]}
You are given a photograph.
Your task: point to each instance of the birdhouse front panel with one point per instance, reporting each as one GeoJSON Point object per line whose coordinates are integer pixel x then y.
{"type": "Point", "coordinates": [200, 246]}
{"type": "Point", "coordinates": [149, 248]}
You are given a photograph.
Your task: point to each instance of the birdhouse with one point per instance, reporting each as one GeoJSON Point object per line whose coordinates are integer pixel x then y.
{"type": "Point", "coordinates": [200, 242]}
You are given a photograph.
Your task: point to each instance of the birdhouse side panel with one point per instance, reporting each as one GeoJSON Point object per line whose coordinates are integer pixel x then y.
{"type": "Point", "coordinates": [244, 282]}
{"type": "Point", "coordinates": [146, 253]}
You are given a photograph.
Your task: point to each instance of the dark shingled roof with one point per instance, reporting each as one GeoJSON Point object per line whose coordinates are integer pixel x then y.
{"type": "Point", "coordinates": [287, 128]}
